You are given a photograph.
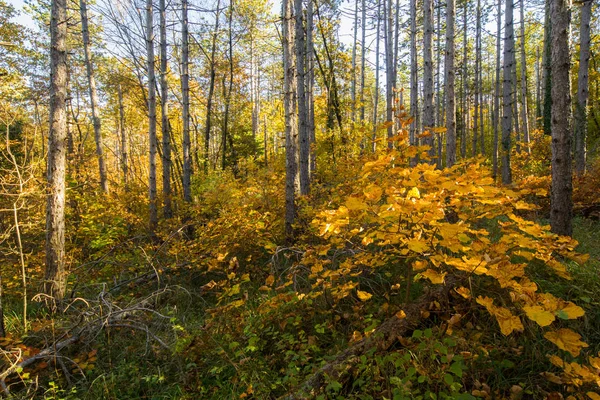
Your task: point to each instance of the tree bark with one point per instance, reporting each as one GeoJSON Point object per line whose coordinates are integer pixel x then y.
{"type": "Point", "coordinates": [124, 160]}
{"type": "Point", "coordinates": [507, 117]}
{"type": "Point", "coordinates": [303, 135]}
{"type": "Point", "coordinates": [389, 69]}
{"type": "Point", "coordinates": [496, 116]}
{"type": "Point", "coordinates": [428, 111]}
{"type": "Point", "coordinates": [547, 109]}
{"type": "Point", "coordinates": [363, 46]}
{"type": "Point", "coordinates": [582, 88]}
{"type": "Point", "coordinates": [414, 99]}
{"type": "Point", "coordinates": [376, 100]}
{"type": "Point", "coordinates": [477, 82]}
{"type": "Point", "coordinates": [55, 279]}
{"type": "Point", "coordinates": [153, 214]}
{"type": "Point", "coordinates": [185, 112]}
{"type": "Point", "coordinates": [166, 134]}
{"type": "Point", "coordinates": [211, 89]}
{"type": "Point", "coordinates": [524, 103]}
{"type": "Point", "coordinates": [561, 204]}
{"type": "Point", "coordinates": [291, 128]}
{"type": "Point", "coordinates": [449, 78]}
{"type": "Point", "coordinates": [310, 79]}
{"type": "Point", "coordinates": [465, 84]}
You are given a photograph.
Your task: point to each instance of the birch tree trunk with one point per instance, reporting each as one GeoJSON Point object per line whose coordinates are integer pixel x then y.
{"type": "Point", "coordinates": [477, 82]}
{"type": "Point", "coordinates": [124, 156]}
{"type": "Point", "coordinates": [85, 33]}
{"type": "Point", "coordinates": [465, 110]}
{"type": "Point", "coordinates": [211, 88]}
{"type": "Point", "coordinates": [561, 204]}
{"type": "Point", "coordinates": [389, 68]}
{"type": "Point", "coordinates": [449, 79]}
{"type": "Point", "coordinates": [355, 38]}
{"type": "Point", "coordinates": [54, 278]}
{"type": "Point", "coordinates": [185, 112]}
{"type": "Point", "coordinates": [291, 127]}
{"type": "Point", "coordinates": [507, 117]}
{"type": "Point", "coordinates": [153, 215]}
{"type": "Point", "coordinates": [376, 100]}
{"type": "Point", "coordinates": [547, 108]}
{"type": "Point", "coordinates": [582, 88]}
{"type": "Point", "coordinates": [310, 79]}
{"type": "Point", "coordinates": [164, 95]}
{"type": "Point", "coordinates": [363, 46]}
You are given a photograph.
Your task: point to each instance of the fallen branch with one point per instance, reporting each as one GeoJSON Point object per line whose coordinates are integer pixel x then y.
{"type": "Point", "coordinates": [381, 339]}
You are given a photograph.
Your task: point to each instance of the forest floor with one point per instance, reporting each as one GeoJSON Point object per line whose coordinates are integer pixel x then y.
{"type": "Point", "coordinates": [402, 283]}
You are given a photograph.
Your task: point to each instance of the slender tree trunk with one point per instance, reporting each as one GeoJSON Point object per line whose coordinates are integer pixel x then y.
{"type": "Point", "coordinates": [211, 89]}
{"type": "Point", "coordinates": [363, 46]}
{"type": "Point", "coordinates": [582, 88]}
{"type": "Point", "coordinates": [465, 82]}
{"type": "Point", "coordinates": [93, 95]}
{"type": "Point", "coordinates": [376, 99]}
{"type": "Point", "coordinates": [291, 127]}
{"type": "Point", "coordinates": [355, 38]}
{"type": "Point", "coordinates": [124, 160]}
{"type": "Point", "coordinates": [547, 109]}
{"type": "Point", "coordinates": [310, 79]}
{"type": "Point", "coordinates": [515, 93]}
{"type": "Point", "coordinates": [524, 103]}
{"type": "Point", "coordinates": [185, 112]}
{"type": "Point", "coordinates": [496, 117]}
{"type": "Point", "coordinates": [538, 86]}
{"type": "Point", "coordinates": [153, 217]}
{"type": "Point", "coordinates": [428, 110]}
{"type": "Point", "coordinates": [561, 204]}
{"type": "Point", "coordinates": [507, 117]}
{"type": "Point", "coordinates": [389, 69]}
{"type": "Point", "coordinates": [55, 279]}
{"type": "Point", "coordinates": [227, 90]}
{"type": "Point", "coordinates": [449, 78]}
{"type": "Point", "coordinates": [303, 135]}
{"type": "Point", "coordinates": [414, 99]}
{"type": "Point", "coordinates": [477, 68]}
{"type": "Point", "coordinates": [164, 95]}
{"type": "Point", "coordinates": [438, 89]}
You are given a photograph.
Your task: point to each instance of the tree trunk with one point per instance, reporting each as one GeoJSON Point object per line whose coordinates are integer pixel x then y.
{"type": "Point", "coordinates": [227, 90]}
{"type": "Point", "coordinates": [303, 135]}
{"type": "Point", "coordinates": [355, 43]}
{"type": "Point", "coordinates": [363, 46]}
{"type": "Point", "coordinates": [507, 117]}
{"type": "Point", "coordinates": [582, 88]}
{"type": "Point", "coordinates": [376, 100]}
{"type": "Point", "coordinates": [310, 79]}
{"type": "Point", "coordinates": [166, 134]}
{"type": "Point", "coordinates": [153, 217]}
{"type": "Point", "coordinates": [524, 104]}
{"type": "Point", "coordinates": [389, 69]}
{"type": "Point", "coordinates": [85, 33]}
{"type": "Point", "coordinates": [414, 99]}
{"type": "Point", "coordinates": [547, 109]}
{"type": "Point", "coordinates": [477, 82]}
{"type": "Point", "coordinates": [55, 279]}
{"type": "Point", "coordinates": [428, 110]}
{"type": "Point", "coordinates": [449, 78]}
{"type": "Point", "coordinates": [291, 128]}
{"type": "Point", "coordinates": [496, 117]}
{"type": "Point", "coordinates": [185, 112]}
{"type": "Point", "coordinates": [211, 89]}
{"type": "Point", "coordinates": [124, 161]}
{"type": "Point", "coordinates": [561, 204]}
{"type": "Point", "coordinates": [465, 82]}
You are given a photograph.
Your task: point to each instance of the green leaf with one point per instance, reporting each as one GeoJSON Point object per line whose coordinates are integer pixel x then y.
{"type": "Point", "coordinates": [448, 379]}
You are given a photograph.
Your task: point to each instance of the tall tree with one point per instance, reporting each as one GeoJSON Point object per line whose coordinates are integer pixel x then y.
{"type": "Point", "coordinates": [363, 47]}
{"type": "Point", "coordinates": [303, 134]}
{"type": "Point", "coordinates": [153, 215]}
{"type": "Point", "coordinates": [376, 100]}
{"type": "Point", "coordinates": [414, 99]}
{"type": "Point", "coordinates": [85, 33]}
{"type": "Point", "coordinates": [496, 116]}
{"type": "Point", "coordinates": [507, 98]}
{"type": "Point", "coordinates": [465, 84]}
{"type": "Point", "coordinates": [291, 127]}
{"type": "Point", "coordinates": [211, 87]}
{"type": "Point", "coordinates": [582, 88]}
{"type": "Point", "coordinates": [389, 67]}
{"type": "Point", "coordinates": [124, 160]}
{"type": "Point", "coordinates": [55, 279]}
{"type": "Point", "coordinates": [185, 112]}
{"type": "Point", "coordinates": [547, 76]}
{"type": "Point", "coordinates": [310, 79]}
{"type": "Point", "coordinates": [165, 126]}
{"type": "Point", "coordinates": [429, 111]}
{"type": "Point", "coordinates": [477, 81]}
{"type": "Point", "coordinates": [524, 102]}
{"type": "Point", "coordinates": [561, 203]}
{"type": "Point", "coordinates": [449, 79]}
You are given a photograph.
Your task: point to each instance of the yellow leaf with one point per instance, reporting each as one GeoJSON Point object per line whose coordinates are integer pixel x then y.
{"type": "Point", "coordinates": [593, 396]}
{"type": "Point", "coordinates": [434, 276]}
{"type": "Point", "coordinates": [270, 280]}
{"type": "Point", "coordinates": [354, 203]}
{"type": "Point", "coordinates": [507, 321]}
{"type": "Point", "coordinates": [413, 193]}
{"type": "Point", "coordinates": [419, 265]}
{"type": "Point", "coordinates": [567, 340]}
{"type": "Point", "coordinates": [401, 314]}
{"type": "Point", "coordinates": [464, 292]}
{"type": "Point", "coordinates": [373, 193]}
{"type": "Point", "coordinates": [539, 315]}
{"type": "Point", "coordinates": [573, 311]}
{"type": "Point", "coordinates": [418, 246]}
{"type": "Point", "coordinates": [363, 296]}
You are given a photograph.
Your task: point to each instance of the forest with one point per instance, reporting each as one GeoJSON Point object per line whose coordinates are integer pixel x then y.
{"type": "Point", "coordinates": [305, 199]}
